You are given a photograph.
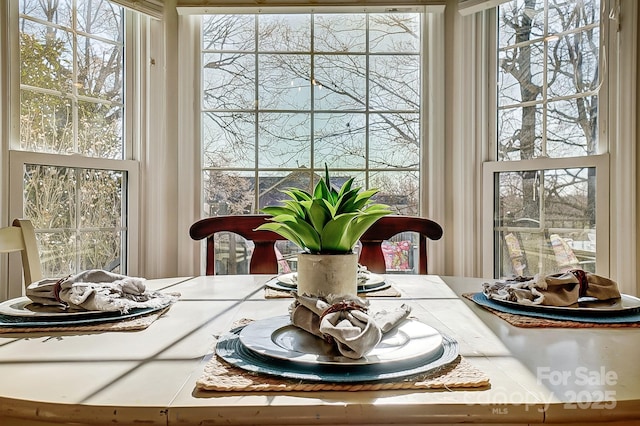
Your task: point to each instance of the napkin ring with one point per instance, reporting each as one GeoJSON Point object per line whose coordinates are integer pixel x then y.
{"type": "Point", "coordinates": [581, 276]}
{"type": "Point", "coordinates": [56, 290]}
{"type": "Point", "coordinates": [343, 305]}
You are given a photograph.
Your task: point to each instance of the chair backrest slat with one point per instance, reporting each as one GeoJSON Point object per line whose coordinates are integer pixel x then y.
{"type": "Point", "coordinates": [21, 237]}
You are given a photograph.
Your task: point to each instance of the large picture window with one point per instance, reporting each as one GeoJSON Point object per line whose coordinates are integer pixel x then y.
{"type": "Point", "coordinates": [285, 94]}
{"type": "Point", "coordinates": [549, 199]}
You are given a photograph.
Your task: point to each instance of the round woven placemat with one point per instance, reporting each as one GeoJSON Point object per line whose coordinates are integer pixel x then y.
{"type": "Point", "coordinates": [221, 376]}
{"type": "Point", "coordinates": [532, 322]}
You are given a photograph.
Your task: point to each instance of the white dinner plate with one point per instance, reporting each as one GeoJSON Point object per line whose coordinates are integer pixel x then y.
{"type": "Point", "coordinates": [25, 307]}
{"type": "Point", "coordinates": [277, 338]}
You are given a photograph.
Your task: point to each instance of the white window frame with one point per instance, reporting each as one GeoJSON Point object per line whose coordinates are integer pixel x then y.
{"type": "Point", "coordinates": [17, 159]}
{"type": "Point", "coordinates": [433, 151]}
{"type": "Point", "coordinates": [615, 163]}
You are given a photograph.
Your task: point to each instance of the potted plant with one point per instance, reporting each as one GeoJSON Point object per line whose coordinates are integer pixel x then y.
{"type": "Point", "coordinates": [327, 226]}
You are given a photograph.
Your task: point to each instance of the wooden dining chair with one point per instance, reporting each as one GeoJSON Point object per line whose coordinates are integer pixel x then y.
{"type": "Point", "coordinates": [263, 260]}
{"type": "Point", "coordinates": [371, 253]}
{"type": "Point", "coordinates": [21, 237]}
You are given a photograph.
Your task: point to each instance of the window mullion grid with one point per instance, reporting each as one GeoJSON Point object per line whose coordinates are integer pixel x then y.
{"type": "Point", "coordinates": [545, 71]}
{"type": "Point", "coordinates": [256, 113]}
{"type": "Point", "coordinates": [312, 111]}
{"type": "Point", "coordinates": [367, 111]}
{"type": "Point", "coordinates": [75, 133]}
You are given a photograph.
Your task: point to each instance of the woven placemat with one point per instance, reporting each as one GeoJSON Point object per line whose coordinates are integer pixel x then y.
{"type": "Point", "coordinates": [272, 293]}
{"type": "Point", "coordinates": [221, 376]}
{"type": "Point", "coordinates": [136, 323]}
{"type": "Point", "coordinates": [533, 322]}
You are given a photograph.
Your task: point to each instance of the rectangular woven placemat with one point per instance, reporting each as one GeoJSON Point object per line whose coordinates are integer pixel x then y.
{"type": "Point", "coordinates": [533, 322]}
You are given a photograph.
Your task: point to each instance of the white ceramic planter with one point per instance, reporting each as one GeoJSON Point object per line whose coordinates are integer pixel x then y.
{"type": "Point", "coordinates": [328, 274]}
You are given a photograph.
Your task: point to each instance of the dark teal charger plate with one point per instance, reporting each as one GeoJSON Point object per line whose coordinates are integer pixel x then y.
{"type": "Point", "coordinates": [604, 316]}
{"type": "Point", "coordinates": [231, 349]}
{"type": "Point", "coordinates": [72, 321]}
{"type": "Point", "coordinates": [278, 285]}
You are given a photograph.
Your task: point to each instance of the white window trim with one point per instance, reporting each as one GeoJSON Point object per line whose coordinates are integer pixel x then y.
{"type": "Point", "coordinates": [433, 165]}
{"type": "Point", "coordinates": [620, 165]}
{"type": "Point", "coordinates": [600, 162]}
{"type": "Point", "coordinates": [16, 159]}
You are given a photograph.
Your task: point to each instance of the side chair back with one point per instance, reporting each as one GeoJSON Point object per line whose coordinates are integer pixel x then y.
{"type": "Point", "coordinates": [21, 237]}
{"type": "Point", "coordinates": [263, 259]}
{"type": "Point", "coordinates": [371, 254]}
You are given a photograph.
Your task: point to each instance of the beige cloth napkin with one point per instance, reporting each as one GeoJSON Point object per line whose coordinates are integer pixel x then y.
{"type": "Point", "coordinates": [345, 321]}
{"type": "Point", "coordinates": [562, 289]}
{"type": "Point", "coordinates": [98, 290]}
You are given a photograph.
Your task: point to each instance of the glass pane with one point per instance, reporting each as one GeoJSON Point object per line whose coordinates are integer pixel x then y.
{"type": "Point", "coordinates": [284, 33]}
{"type": "Point", "coordinates": [46, 57]}
{"type": "Point", "coordinates": [573, 63]}
{"type": "Point", "coordinates": [519, 20]}
{"type": "Point", "coordinates": [101, 204]}
{"type": "Point", "coordinates": [57, 253]}
{"type": "Point", "coordinates": [339, 140]}
{"type": "Point", "coordinates": [572, 14]}
{"type": "Point", "coordinates": [226, 243]}
{"type": "Point", "coordinates": [398, 190]}
{"type": "Point", "coordinates": [45, 123]}
{"type": "Point", "coordinates": [284, 140]}
{"type": "Point", "coordinates": [100, 250]}
{"type": "Point", "coordinates": [394, 32]}
{"type": "Point", "coordinates": [341, 82]}
{"type": "Point", "coordinates": [50, 197]}
{"type": "Point", "coordinates": [228, 32]}
{"type": "Point", "coordinates": [100, 18]}
{"type": "Point", "coordinates": [228, 140]}
{"type": "Point", "coordinates": [520, 74]}
{"type": "Point", "coordinates": [394, 82]}
{"type": "Point", "coordinates": [228, 81]}
{"type": "Point", "coordinates": [272, 184]}
{"type": "Point", "coordinates": [64, 205]}
{"type": "Point", "coordinates": [570, 132]}
{"type": "Point", "coordinates": [100, 69]}
{"type": "Point", "coordinates": [394, 140]}
{"type": "Point", "coordinates": [340, 33]}
{"type": "Point", "coordinates": [545, 221]}
{"type": "Point", "coordinates": [100, 130]}
{"type": "Point", "coordinates": [228, 192]}
{"type": "Point", "coordinates": [520, 133]}
{"type": "Point", "coordinates": [284, 82]}
{"type": "Point", "coordinates": [58, 12]}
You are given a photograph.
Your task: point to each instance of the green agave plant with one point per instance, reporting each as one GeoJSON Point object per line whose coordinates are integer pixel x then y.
{"type": "Point", "coordinates": [327, 222]}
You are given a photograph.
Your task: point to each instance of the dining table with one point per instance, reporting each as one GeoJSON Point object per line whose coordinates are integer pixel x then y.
{"type": "Point", "coordinates": [520, 374]}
